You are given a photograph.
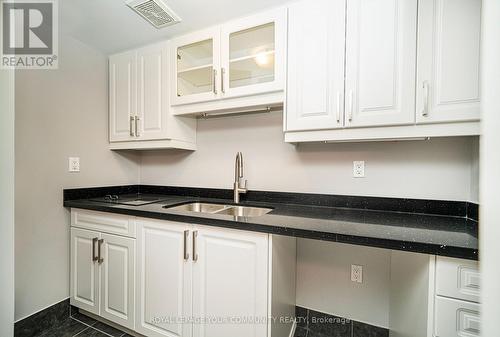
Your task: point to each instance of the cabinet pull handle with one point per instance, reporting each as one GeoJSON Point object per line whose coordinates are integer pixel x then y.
{"type": "Point", "coordinates": [223, 73]}
{"type": "Point", "coordinates": [338, 106]}
{"type": "Point", "coordinates": [132, 126]}
{"type": "Point", "coordinates": [137, 134]}
{"type": "Point", "coordinates": [94, 241]}
{"type": "Point", "coordinates": [350, 105]}
{"type": "Point", "coordinates": [215, 82]}
{"type": "Point", "coordinates": [99, 258]}
{"type": "Point", "coordinates": [186, 254]}
{"type": "Point", "coordinates": [195, 254]}
{"type": "Point", "coordinates": [425, 110]}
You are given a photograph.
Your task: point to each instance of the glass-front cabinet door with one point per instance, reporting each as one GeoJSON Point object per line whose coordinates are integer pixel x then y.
{"type": "Point", "coordinates": [253, 54]}
{"type": "Point", "coordinates": [195, 67]}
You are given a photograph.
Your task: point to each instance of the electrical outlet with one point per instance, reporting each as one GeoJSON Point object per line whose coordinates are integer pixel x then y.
{"type": "Point", "coordinates": [356, 273]}
{"type": "Point", "coordinates": [358, 169]}
{"type": "Point", "coordinates": [74, 164]}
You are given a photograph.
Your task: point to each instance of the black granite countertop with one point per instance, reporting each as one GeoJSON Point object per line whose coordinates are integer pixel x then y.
{"type": "Point", "coordinates": [448, 232]}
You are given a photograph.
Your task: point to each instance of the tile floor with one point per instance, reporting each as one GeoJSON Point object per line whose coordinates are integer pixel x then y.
{"type": "Point", "coordinates": [82, 326]}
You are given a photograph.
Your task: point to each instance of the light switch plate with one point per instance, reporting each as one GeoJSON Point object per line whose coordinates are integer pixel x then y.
{"type": "Point", "coordinates": [74, 164]}
{"type": "Point", "coordinates": [358, 169]}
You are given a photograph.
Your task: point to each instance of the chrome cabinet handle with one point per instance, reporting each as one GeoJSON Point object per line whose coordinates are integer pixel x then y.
{"type": "Point", "coordinates": [338, 106]}
{"type": "Point", "coordinates": [215, 82]}
{"type": "Point", "coordinates": [186, 254]}
{"type": "Point", "coordinates": [99, 258]}
{"type": "Point", "coordinates": [132, 126]}
{"type": "Point", "coordinates": [94, 257]}
{"type": "Point", "coordinates": [425, 110]}
{"type": "Point", "coordinates": [137, 134]}
{"type": "Point", "coordinates": [350, 105]}
{"type": "Point", "coordinates": [195, 254]}
{"type": "Point", "coordinates": [223, 73]}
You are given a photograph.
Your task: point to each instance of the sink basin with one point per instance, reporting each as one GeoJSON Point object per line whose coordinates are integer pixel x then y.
{"type": "Point", "coordinates": [245, 211]}
{"type": "Point", "coordinates": [239, 211]}
{"type": "Point", "coordinates": [199, 207]}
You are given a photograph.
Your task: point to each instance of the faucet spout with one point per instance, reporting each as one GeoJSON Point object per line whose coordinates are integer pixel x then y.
{"type": "Point", "coordinates": [238, 175]}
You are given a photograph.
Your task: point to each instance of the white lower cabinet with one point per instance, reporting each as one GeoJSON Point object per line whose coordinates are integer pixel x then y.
{"type": "Point", "coordinates": [163, 278]}
{"type": "Point", "coordinates": [190, 280]}
{"type": "Point", "coordinates": [456, 296]}
{"type": "Point", "coordinates": [455, 318]}
{"type": "Point", "coordinates": [230, 274]}
{"type": "Point", "coordinates": [103, 275]}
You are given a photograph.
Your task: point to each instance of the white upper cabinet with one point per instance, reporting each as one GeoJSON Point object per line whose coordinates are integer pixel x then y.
{"type": "Point", "coordinates": [380, 62]}
{"type": "Point", "coordinates": [195, 64]}
{"type": "Point", "coordinates": [122, 96]}
{"type": "Point", "coordinates": [315, 91]}
{"type": "Point", "coordinates": [242, 58]}
{"type": "Point", "coordinates": [140, 116]}
{"type": "Point", "coordinates": [152, 95]}
{"type": "Point", "coordinates": [253, 53]}
{"type": "Point", "coordinates": [448, 84]}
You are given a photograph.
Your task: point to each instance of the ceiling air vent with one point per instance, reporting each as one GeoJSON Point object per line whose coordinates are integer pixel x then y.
{"type": "Point", "coordinates": [155, 11]}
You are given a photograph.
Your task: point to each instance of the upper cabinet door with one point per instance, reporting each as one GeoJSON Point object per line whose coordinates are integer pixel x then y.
{"type": "Point", "coordinates": [152, 93]}
{"type": "Point", "coordinates": [195, 67]}
{"type": "Point", "coordinates": [448, 84]}
{"type": "Point", "coordinates": [315, 91]}
{"type": "Point", "coordinates": [380, 62]}
{"type": "Point", "coordinates": [230, 279]}
{"type": "Point", "coordinates": [163, 278]}
{"type": "Point", "coordinates": [122, 96]}
{"type": "Point", "coordinates": [118, 279]}
{"type": "Point", "coordinates": [253, 54]}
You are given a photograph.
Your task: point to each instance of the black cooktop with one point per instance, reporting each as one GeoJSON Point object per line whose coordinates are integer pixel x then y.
{"type": "Point", "coordinates": [130, 199]}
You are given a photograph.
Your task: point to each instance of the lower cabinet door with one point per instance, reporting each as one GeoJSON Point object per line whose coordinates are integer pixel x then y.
{"type": "Point", "coordinates": [455, 318]}
{"type": "Point", "coordinates": [163, 279]}
{"type": "Point", "coordinates": [230, 278]}
{"type": "Point", "coordinates": [84, 275]}
{"type": "Point", "coordinates": [117, 279]}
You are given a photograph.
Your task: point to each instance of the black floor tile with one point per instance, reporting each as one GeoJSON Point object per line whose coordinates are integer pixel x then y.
{"type": "Point", "coordinates": [67, 328]}
{"type": "Point", "coordinates": [301, 316]}
{"type": "Point", "coordinates": [321, 324]}
{"type": "Point", "coordinates": [43, 320]}
{"type": "Point", "coordinates": [107, 329]}
{"type": "Point", "coordinates": [90, 332]}
{"type": "Point", "coordinates": [300, 332]}
{"type": "Point", "coordinates": [365, 330]}
{"type": "Point", "coordinates": [83, 318]}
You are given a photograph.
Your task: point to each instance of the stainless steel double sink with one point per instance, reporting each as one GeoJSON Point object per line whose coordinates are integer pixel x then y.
{"type": "Point", "coordinates": [234, 210]}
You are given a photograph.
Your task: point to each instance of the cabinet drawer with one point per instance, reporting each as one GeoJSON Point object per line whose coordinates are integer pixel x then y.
{"type": "Point", "coordinates": [104, 222]}
{"type": "Point", "coordinates": [455, 318]}
{"type": "Point", "coordinates": [457, 278]}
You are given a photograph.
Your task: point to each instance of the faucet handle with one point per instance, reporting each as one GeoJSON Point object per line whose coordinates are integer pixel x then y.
{"type": "Point", "coordinates": [245, 185]}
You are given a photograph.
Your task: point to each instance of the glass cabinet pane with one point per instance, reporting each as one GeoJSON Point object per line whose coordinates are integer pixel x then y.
{"type": "Point", "coordinates": [251, 56]}
{"type": "Point", "coordinates": [195, 68]}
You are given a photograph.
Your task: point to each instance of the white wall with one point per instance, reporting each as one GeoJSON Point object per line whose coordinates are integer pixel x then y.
{"type": "Point", "coordinates": [6, 203]}
{"type": "Point", "coordinates": [324, 280]}
{"type": "Point", "coordinates": [435, 169]}
{"type": "Point", "coordinates": [59, 113]}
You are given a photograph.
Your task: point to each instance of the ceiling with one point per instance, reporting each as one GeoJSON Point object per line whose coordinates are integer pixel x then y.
{"type": "Point", "coordinates": [111, 26]}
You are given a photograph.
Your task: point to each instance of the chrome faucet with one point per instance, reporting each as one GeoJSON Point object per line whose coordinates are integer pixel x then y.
{"type": "Point", "coordinates": [238, 175]}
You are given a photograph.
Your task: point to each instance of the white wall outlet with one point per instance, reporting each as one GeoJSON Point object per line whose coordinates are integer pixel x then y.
{"type": "Point", "coordinates": [358, 169]}
{"type": "Point", "coordinates": [356, 273]}
{"type": "Point", "coordinates": [74, 164]}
